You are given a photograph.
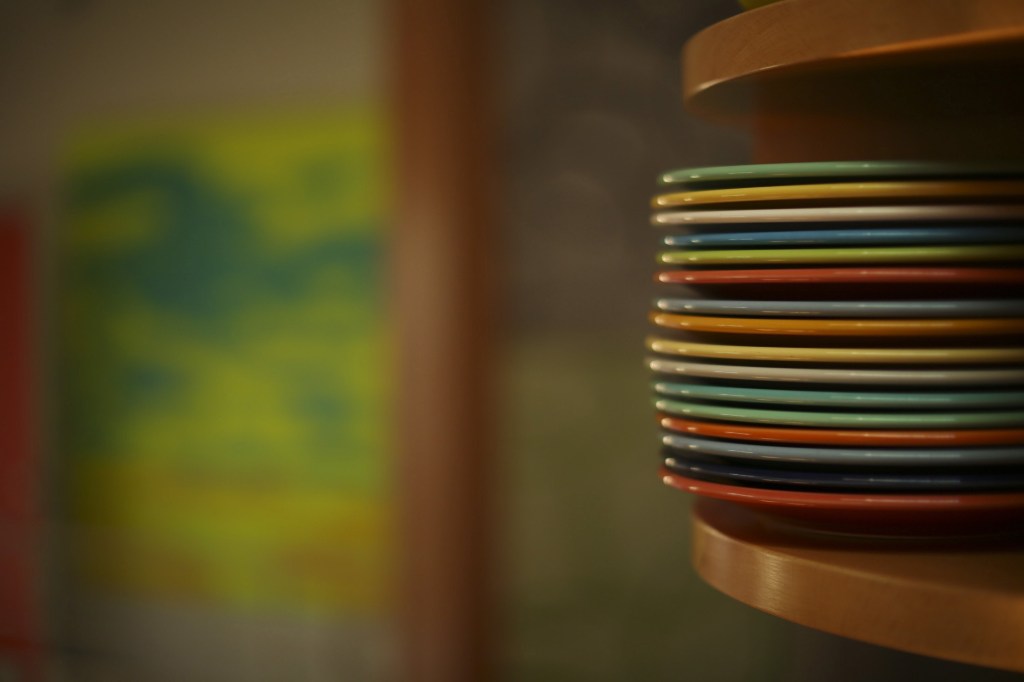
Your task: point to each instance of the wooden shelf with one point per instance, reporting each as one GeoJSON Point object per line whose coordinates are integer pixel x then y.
{"type": "Point", "coordinates": [837, 79]}
{"type": "Point", "coordinates": [953, 600]}
{"type": "Point", "coordinates": [868, 79]}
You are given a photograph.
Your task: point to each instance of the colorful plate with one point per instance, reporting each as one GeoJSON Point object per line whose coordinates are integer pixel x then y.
{"type": "Point", "coordinates": [766, 173]}
{"type": "Point", "coordinates": [871, 513]}
{"type": "Point", "coordinates": [881, 377]}
{"type": "Point", "coordinates": [892, 275]}
{"type": "Point", "coordinates": [867, 236]}
{"type": "Point", "coordinates": [871, 309]}
{"type": "Point", "coordinates": [776, 396]}
{"type": "Point", "coordinates": [916, 356]}
{"type": "Point", "coordinates": [988, 419]}
{"type": "Point", "coordinates": [862, 457]}
{"type": "Point", "coordinates": [842, 214]}
{"type": "Point", "coordinates": [846, 192]}
{"type": "Point", "coordinates": [911, 327]}
{"type": "Point", "coordinates": [883, 481]}
{"type": "Point", "coordinates": [872, 438]}
{"type": "Point", "coordinates": [869, 255]}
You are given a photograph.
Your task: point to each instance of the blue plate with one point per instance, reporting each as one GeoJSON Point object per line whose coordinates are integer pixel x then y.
{"type": "Point", "coordinates": [868, 400]}
{"type": "Point", "coordinates": [708, 469]}
{"type": "Point", "coordinates": [873, 236]}
{"type": "Point", "coordinates": [919, 457]}
{"type": "Point", "coordinates": [867, 309]}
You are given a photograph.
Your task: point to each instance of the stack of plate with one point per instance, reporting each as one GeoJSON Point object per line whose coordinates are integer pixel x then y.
{"type": "Point", "coordinates": [841, 343]}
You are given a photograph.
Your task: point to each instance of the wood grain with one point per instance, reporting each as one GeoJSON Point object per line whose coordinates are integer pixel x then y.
{"type": "Point", "coordinates": [956, 600]}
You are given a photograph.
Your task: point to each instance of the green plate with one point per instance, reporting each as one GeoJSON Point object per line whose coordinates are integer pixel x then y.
{"type": "Point", "coordinates": [832, 398]}
{"type": "Point", "coordinates": [893, 420]}
{"type": "Point", "coordinates": [770, 173]}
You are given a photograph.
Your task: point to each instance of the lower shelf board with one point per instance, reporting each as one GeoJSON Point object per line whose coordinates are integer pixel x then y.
{"type": "Point", "coordinates": [961, 600]}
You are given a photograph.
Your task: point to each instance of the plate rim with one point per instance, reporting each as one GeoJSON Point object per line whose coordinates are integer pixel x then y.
{"type": "Point", "coordinates": [873, 457]}
{"type": "Point", "coordinates": [843, 309]}
{"type": "Point", "coordinates": [827, 436]}
{"type": "Point", "coordinates": [921, 503]}
{"type": "Point", "coordinates": [839, 214]}
{"type": "Point", "coordinates": [845, 169]}
{"type": "Point", "coordinates": [998, 376]}
{"type": "Point", "coordinates": [920, 356]}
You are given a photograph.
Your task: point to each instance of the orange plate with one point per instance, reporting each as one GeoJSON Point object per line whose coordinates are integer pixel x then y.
{"type": "Point", "coordinates": [816, 436]}
{"type": "Point", "coordinates": [845, 275]}
{"type": "Point", "coordinates": [788, 327]}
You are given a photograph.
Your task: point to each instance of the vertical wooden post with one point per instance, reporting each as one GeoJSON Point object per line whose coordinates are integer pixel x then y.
{"type": "Point", "coordinates": [443, 267]}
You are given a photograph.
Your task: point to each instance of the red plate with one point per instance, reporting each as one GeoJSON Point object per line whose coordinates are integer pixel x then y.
{"type": "Point", "coordinates": [845, 275]}
{"type": "Point", "coordinates": [872, 513]}
{"type": "Point", "coordinates": [815, 436]}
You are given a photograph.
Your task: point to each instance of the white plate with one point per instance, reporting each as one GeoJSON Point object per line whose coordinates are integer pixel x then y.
{"type": "Point", "coordinates": [913, 356]}
{"type": "Point", "coordinates": [896, 377]}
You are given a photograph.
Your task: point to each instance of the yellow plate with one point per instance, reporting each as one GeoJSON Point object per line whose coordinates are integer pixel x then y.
{"type": "Point", "coordinates": [848, 191]}
{"type": "Point", "coordinates": [896, 254]}
{"type": "Point", "coordinates": [790, 327]}
{"type": "Point", "coordinates": [915, 356]}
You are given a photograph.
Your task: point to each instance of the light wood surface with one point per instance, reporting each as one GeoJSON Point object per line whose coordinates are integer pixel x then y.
{"type": "Point", "coordinates": [957, 600]}
{"type": "Point", "coordinates": [845, 79]}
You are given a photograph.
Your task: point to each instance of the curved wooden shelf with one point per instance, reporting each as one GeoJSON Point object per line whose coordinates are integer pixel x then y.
{"type": "Point", "coordinates": [835, 79]}
{"type": "Point", "coordinates": [962, 602]}
{"type": "Point", "coordinates": [797, 33]}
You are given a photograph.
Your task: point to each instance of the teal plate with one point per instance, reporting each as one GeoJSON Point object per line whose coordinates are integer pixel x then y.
{"type": "Point", "coordinates": [936, 400]}
{"type": "Point", "coordinates": [894, 420]}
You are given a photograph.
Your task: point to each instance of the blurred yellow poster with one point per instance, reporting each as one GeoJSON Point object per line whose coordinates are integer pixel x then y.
{"type": "Point", "coordinates": [224, 386]}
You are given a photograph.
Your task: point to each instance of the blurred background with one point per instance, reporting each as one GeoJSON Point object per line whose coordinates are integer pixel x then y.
{"type": "Point", "coordinates": [208, 221]}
